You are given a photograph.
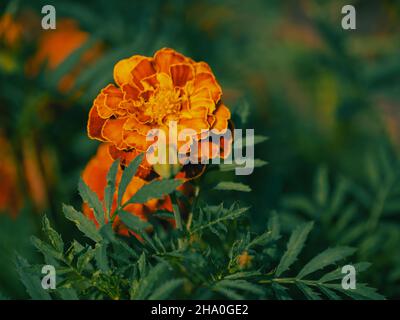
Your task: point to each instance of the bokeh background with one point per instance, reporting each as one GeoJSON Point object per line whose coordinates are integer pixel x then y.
{"type": "Point", "coordinates": [328, 99]}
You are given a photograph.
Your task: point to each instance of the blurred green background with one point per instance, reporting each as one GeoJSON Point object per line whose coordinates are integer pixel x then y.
{"type": "Point", "coordinates": [328, 99]}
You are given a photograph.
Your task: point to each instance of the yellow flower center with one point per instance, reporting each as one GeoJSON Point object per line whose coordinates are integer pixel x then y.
{"type": "Point", "coordinates": [165, 102]}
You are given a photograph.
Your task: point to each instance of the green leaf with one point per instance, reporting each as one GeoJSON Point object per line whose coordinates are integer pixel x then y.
{"type": "Point", "coordinates": [274, 226]}
{"type": "Point", "coordinates": [232, 166]}
{"type": "Point", "coordinates": [324, 259]}
{"type": "Point", "coordinates": [321, 186]}
{"type": "Point", "coordinates": [142, 264]}
{"type": "Point", "coordinates": [46, 249]}
{"type": "Point", "coordinates": [362, 292]}
{"type": "Point", "coordinates": [337, 273]}
{"type": "Point", "coordinates": [67, 294]}
{"type": "Point", "coordinates": [84, 259]}
{"type": "Point", "coordinates": [101, 256]}
{"type": "Point", "coordinates": [232, 186]}
{"type": "Point", "coordinates": [110, 188]}
{"type": "Point", "coordinates": [294, 247]}
{"type": "Point", "coordinates": [133, 222]}
{"type": "Point", "coordinates": [329, 293]}
{"type": "Point", "coordinates": [222, 216]}
{"type": "Point", "coordinates": [127, 176]}
{"type": "Point", "coordinates": [154, 190]}
{"type": "Point", "coordinates": [84, 224]}
{"type": "Point", "coordinates": [229, 293]}
{"type": "Point", "coordinates": [54, 238]}
{"type": "Point", "coordinates": [165, 290]}
{"type": "Point", "coordinates": [92, 200]}
{"type": "Point", "coordinates": [242, 285]}
{"type": "Point", "coordinates": [308, 292]}
{"type": "Point", "coordinates": [243, 274]}
{"type": "Point", "coordinates": [257, 139]}
{"type": "Point", "coordinates": [31, 282]}
{"type": "Point", "coordinates": [281, 292]}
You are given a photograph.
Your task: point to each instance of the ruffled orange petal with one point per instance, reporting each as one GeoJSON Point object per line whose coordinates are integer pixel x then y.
{"type": "Point", "coordinates": [113, 96]}
{"type": "Point", "coordinates": [166, 57]}
{"type": "Point", "coordinates": [95, 124]}
{"type": "Point", "coordinates": [194, 124]}
{"type": "Point", "coordinates": [143, 69]}
{"type": "Point", "coordinates": [222, 115]}
{"type": "Point", "coordinates": [112, 131]}
{"type": "Point", "coordinates": [135, 140]}
{"type": "Point", "coordinates": [181, 74]}
{"type": "Point", "coordinates": [130, 92]}
{"type": "Point", "coordinates": [133, 124]}
{"type": "Point", "coordinates": [200, 67]}
{"type": "Point", "coordinates": [103, 111]}
{"type": "Point", "coordinates": [208, 80]}
{"type": "Point", "coordinates": [199, 112]}
{"type": "Point", "coordinates": [123, 69]}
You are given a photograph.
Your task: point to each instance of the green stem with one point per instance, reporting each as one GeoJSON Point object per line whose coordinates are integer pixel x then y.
{"type": "Point", "coordinates": [177, 215]}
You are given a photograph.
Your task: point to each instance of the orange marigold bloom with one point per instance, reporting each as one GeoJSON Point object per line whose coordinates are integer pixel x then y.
{"type": "Point", "coordinates": [95, 176]}
{"type": "Point", "coordinates": [57, 45]}
{"type": "Point", "coordinates": [244, 260]}
{"type": "Point", "coordinates": [148, 94]}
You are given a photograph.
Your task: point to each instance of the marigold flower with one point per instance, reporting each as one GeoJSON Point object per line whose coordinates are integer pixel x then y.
{"type": "Point", "coordinates": [149, 93]}
{"type": "Point", "coordinates": [95, 176]}
{"type": "Point", "coordinates": [55, 46]}
{"type": "Point", "coordinates": [244, 260]}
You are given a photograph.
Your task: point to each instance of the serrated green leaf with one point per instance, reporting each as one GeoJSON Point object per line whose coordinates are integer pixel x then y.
{"type": "Point", "coordinates": [92, 200]}
{"type": "Point", "coordinates": [232, 186]}
{"type": "Point", "coordinates": [329, 293]}
{"type": "Point", "coordinates": [166, 289]}
{"type": "Point", "coordinates": [84, 224]}
{"type": "Point", "coordinates": [127, 176]}
{"type": "Point", "coordinates": [46, 249]}
{"type": "Point", "coordinates": [133, 222]}
{"type": "Point", "coordinates": [242, 285]}
{"type": "Point", "coordinates": [85, 258]}
{"type": "Point", "coordinates": [325, 258]}
{"type": "Point", "coordinates": [55, 239]}
{"type": "Point", "coordinates": [308, 291]}
{"type": "Point", "coordinates": [337, 273]}
{"type": "Point", "coordinates": [31, 282]}
{"type": "Point", "coordinates": [257, 139]}
{"type": "Point", "coordinates": [242, 274]}
{"type": "Point", "coordinates": [258, 163]}
{"type": "Point", "coordinates": [67, 294]}
{"type": "Point", "coordinates": [101, 256]}
{"type": "Point", "coordinates": [294, 247]}
{"type": "Point", "coordinates": [142, 264]}
{"type": "Point", "coordinates": [281, 292]}
{"type": "Point", "coordinates": [362, 292]}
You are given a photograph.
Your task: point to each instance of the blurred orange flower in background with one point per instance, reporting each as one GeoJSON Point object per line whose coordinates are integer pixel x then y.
{"type": "Point", "coordinates": [10, 30]}
{"type": "Point", "coordinates": [54, 46]}
{"type": "Point", "coordinates": [150, 92]}
{"type": "Point", "coordinates": [10, 199]}
{"type": "Point", "coordinates": [95, 176]}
